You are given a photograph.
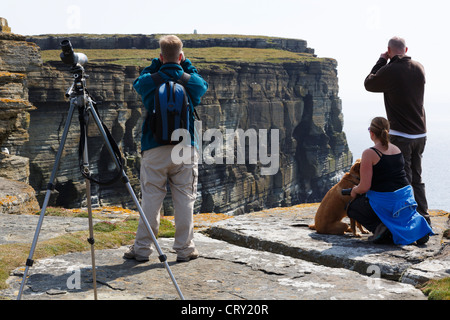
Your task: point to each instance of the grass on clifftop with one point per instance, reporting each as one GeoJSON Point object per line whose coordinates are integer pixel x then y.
{"type": "Point", "coordinates": [199, 56]}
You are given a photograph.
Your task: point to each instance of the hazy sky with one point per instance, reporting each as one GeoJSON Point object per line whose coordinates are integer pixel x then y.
{"type": "Point", "coordinates": [352, 32]}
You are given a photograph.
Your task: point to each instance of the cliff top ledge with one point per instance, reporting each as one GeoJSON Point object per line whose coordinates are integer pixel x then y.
{"type": "Point", "coordinates": [203, 50]}
{"type": "Point", "coordinates": [141, 41]}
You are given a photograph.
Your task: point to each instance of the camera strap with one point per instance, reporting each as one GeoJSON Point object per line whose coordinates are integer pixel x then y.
{"type": "Point", "coordinates": [83, 116]}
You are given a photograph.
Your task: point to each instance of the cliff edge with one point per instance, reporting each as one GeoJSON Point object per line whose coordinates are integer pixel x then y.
{"type": "Point", "coordinates": [255, 83]}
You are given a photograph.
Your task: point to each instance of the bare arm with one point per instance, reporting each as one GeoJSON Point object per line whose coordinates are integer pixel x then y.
{"type": "Point", "coordinates": [366, 171]}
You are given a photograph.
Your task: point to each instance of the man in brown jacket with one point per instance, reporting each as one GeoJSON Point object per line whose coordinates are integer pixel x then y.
{"type": "Point", "coordinates": [402, 82]}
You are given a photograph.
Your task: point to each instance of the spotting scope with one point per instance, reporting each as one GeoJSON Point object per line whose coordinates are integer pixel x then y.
{"type": "Point", "coordinates": [69, 57]}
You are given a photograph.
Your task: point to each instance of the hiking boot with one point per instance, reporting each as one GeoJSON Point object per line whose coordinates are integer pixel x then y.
{"type": "Point", "coordinates": [381, 235]}
{"type": "Point", "coordinates": [193, 255]}
{"type": "Point", "coordinates": [423, 240]}
{"type": "Point", "coordinates": [131, 254]}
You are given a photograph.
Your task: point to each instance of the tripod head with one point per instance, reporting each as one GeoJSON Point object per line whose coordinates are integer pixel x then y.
{"type": "Point", "coordinates": [78, 86]}
{"type": "Point", "coordinates": [77, 61]}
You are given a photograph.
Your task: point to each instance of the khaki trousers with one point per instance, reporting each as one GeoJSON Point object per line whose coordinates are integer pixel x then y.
{"type": "Point", "coordinates": [158, 171]}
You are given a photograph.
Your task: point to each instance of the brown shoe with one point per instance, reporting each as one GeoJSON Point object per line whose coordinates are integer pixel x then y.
{"type": "Point", "coordinates": [193, 255]}
{"type": "Point", "coordinates": [131, 254]}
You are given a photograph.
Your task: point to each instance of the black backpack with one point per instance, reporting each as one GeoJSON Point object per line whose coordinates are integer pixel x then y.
{"type": "Point", "coordinates": [172, 110]}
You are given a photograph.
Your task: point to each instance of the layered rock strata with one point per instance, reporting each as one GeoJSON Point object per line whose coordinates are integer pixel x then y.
{"type": "Point", "coordinates": [298, 99]}
{"type": "Point", "coordinates": [18, 60]}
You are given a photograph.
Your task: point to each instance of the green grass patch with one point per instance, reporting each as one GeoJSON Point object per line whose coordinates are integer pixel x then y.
{"type": "Point", "coordinates": [107, 235]}
{"type": "Point", "coordinates": [62, 212]}
{"type": "Point", "coordinates": [203, 57]}
{"type": "Point", "coordinates": [437, 289]}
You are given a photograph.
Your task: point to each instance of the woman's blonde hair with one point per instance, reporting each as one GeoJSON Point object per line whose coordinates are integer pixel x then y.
{"type": "Point", "coordinates": [171, 47]}
{"type": "Point", "coordinates": [380, 127]}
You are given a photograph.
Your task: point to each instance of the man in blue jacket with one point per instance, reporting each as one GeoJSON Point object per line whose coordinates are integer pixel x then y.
{"type": "Point", "coordinates": [157, 167]}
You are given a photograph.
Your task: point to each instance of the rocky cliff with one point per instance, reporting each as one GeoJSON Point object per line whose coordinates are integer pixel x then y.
{"type": "Point", "coordinates": [298, 98]}
{"type": "Point", "coordinates": [18, 60]}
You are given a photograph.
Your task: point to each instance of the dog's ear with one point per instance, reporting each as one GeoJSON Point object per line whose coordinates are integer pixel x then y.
{"type": "Point", "coordinates": [356, 166]}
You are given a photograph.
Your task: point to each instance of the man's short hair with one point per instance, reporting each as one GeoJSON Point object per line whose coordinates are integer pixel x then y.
{"type": "Point", "coordinates": [171, 47]}
{"type": "Point", "coordinates": [397, 44]}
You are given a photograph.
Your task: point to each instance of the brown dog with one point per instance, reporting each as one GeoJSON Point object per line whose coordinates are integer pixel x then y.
{"type": "Point", "coordinates": [333, 207]}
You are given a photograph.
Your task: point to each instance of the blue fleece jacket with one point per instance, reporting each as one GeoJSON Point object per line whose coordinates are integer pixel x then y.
{"type": "Point", "coordinates": [397, 210]}
{"type": "Point", "coordinates": [145, 86]}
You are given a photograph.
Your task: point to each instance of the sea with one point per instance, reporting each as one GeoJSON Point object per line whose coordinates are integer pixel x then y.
{"type": "Point", "coordinates": [436, 158]}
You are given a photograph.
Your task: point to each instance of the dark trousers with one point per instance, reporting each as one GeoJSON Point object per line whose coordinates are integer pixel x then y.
{"type": "Point", "coordinates": [361, 210]}
{"type": "Point", "coordinates": [412, 150]}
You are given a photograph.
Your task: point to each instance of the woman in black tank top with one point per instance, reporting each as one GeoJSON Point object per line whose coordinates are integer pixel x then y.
{"type": "Point", "coordinates": [388, 174]}
{"type": "Point", "coordinates": [382, 166]}
{"type": "Point", "coordinates": [381, 170]}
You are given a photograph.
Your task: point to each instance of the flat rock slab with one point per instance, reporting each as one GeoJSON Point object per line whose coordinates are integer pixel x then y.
{"type": "Point", "coordinates": [21, 228]}
{"type": "Point", "coordinates": [285, 231]}
{"type": "Point", "coordinates": [268, 255]}
{"type": "Point", "coordinates": [222, 272]}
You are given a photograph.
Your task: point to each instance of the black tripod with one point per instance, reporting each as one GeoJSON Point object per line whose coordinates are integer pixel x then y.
{"type": "Point", "coordinates": [80, 98]}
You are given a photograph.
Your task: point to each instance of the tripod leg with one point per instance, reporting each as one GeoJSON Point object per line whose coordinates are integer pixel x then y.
{"type": "Point", "coordinates": [162, 257]}
{"type": "Point", "coordinates": [91, 236]}
{"type": "Point", "coordinates": [50, 188]}
{"type": "Point", "coordinates": [89, 206]}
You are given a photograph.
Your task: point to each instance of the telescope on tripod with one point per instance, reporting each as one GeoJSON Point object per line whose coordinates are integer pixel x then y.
{"type": "Point", "coordinates": [68, 56]}
{"type": "Point", "coordinates": [80, 98]}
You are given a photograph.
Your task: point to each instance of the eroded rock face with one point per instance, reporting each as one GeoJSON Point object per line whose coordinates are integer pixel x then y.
{"type": "Point", "coordinates": [108, 84]}
{"type": "Point", "coordinates": [18, 59]}
{"type": "Point", "coordinates": [300, 100]}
